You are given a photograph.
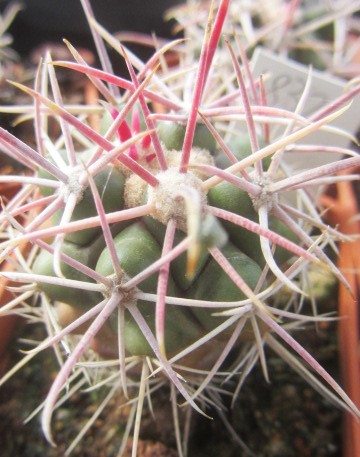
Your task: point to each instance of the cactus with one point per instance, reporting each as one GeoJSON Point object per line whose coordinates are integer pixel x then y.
{"type": "Point", "coordinates": [163, 228]}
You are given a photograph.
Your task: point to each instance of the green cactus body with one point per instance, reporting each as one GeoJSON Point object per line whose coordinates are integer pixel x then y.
{"type": "Point", "coordinates": [82, 157]}
{"type": "Point", "coordinates": [240, 146]}
{"type": "Point", "coordinates": [110, 184]}
{"type": "Point", "coordinates": [172, 134]}
{"type": "Point", "coordinates": [215, 285]}
{"type": "Point", "coordinates": [88, 256]}
{"type": "Point", "coordinates": [139, 245]}
{"type": "Point", "coordinates": [237, 201]}
{"type": "Point", "coordinates": [137, 249]}
{"type": "Point", "coordinates": [178, 265]}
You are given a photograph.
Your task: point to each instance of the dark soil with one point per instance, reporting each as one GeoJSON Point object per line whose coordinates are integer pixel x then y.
{"type": "Point", "coordinates": [285, 418]}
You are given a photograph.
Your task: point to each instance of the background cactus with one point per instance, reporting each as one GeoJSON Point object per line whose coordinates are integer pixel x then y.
{"type": "Point", "coordinates": [169, 245]}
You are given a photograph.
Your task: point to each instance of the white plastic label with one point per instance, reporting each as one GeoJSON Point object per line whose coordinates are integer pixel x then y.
{"type": "Point", "coordinates": [285, 85]}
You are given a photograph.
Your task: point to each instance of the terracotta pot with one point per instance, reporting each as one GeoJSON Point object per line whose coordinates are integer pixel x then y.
{"type": "Point", "coordinates": [343, 210]}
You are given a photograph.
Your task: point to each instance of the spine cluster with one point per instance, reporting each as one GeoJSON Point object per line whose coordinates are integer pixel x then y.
{"type": "Point", "coordinates": [175, 231]}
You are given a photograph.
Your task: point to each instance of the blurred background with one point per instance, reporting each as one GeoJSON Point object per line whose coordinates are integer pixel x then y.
{"type": "Point", "coordinates": [49, 21]}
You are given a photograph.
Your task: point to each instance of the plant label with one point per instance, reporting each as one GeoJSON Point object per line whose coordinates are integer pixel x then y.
{"type": "Point", "coordinates": [285, 81]}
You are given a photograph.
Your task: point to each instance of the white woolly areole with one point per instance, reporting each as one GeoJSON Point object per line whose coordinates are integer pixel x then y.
{"type": "Point", "coordinates": [168, 198]}
{"type": "Point", "coordinates": [73, 185]}
{"type": "Point", "coordinates": [135, 188]}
